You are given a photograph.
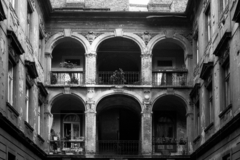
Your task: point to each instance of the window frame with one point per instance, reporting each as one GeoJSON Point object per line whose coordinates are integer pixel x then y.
{"type": "Point", "coordinates": [10, 84]}
{"type": "Point", "coordinates": [27, 101]}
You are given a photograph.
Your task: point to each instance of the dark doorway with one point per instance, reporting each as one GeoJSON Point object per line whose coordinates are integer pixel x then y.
{"type": "Point", "coordinates": [118, 124]}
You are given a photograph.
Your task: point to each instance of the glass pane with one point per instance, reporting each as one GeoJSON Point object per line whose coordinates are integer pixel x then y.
{"type": "Point", "coordinates": [76, 129]}
{"type": "Point", "coordinates": [67, 131]}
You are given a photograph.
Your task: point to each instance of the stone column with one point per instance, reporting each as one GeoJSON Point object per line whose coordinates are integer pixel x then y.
{"type": "Point", "coordinates": [33, 109]}
{"type": "Point", "coordinates": [146, 129]}
{"type": "Point", "coordinates": [90, 131]}
{"type": "Point", "coordinates": [48, 67]}
{"type": "Point", "coordinates": [48, 117]}
{"type": "Point", "coordinates": [146, 69]}
{"type": "Point", "coordinates": [189, 66]}
{"type": "Point", "coordinates": [91, 61]}
{"type": "Point", "coordinates": [190, 126]}
{"type": "Point", "coordinates": [34, 32]}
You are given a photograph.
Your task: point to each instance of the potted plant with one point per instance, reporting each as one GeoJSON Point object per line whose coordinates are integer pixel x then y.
{"type": "Point", "coordinates": [53, 79]}
{"type": "Point", "coordinates": [118, 77]}
{"type": "Point", "coordinates": [74, 80]}
{"type": "Point", "coordinates": [67, 65]}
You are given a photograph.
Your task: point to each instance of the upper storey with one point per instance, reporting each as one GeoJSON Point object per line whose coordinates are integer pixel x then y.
{"type": "Point", "coordinates": [123, 5]}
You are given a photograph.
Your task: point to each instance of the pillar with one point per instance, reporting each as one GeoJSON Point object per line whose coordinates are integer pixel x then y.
{"type": "Point", "coordinates": [33, 109]}
{"type": "Point", "coordinates": [190, 126]}
{"type": "Point", "coordinates": [34, 32]}
{"type": "Point", "coordinates": [189, 66]}
{"type": "Point", "coordinates": [47, 125]}
{"type": "Point", "coordinates": [146, 129]}
{"type": "Point", "coordinates": [91, 61]}
{"type": "Point", "coordinates": [90, 131]}
{"type": "Point", "coordinates": [48, 67]}
{"type": "Point", "coordinates": [146, 64]}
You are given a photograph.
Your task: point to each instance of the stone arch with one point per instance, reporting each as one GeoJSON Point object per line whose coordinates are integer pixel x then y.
{"type": "Point", "coordinates": [115, 93]}
{"type": "Point", "coordinates": [177, 38]}
{"type": "Point", "coordinates": [166, 94]}
{"type": "Point", "coordinates": [54, 40]}
{"type": "Point", "coordinates": [53, 100]}
{"type": "Point", "coordinates": [130, 36]}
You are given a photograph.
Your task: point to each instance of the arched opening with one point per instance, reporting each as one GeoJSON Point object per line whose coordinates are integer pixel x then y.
{"type": "Point", "coordinates": [118, 125]}
{"type": "Point", "coordinates": [68, 124]}
{"type": "Point", "coordinates": [169, 125]}
{"type": "Point", "coordinates": [68, 62]}
{"type": "Point", "coordinates": [118, 61]}
{"type": "Point", "coordinates": [168, 64]}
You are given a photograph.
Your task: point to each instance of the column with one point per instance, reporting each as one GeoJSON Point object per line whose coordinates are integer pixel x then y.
{"type": "Point", "coordinates": [190, 126]}
{"type": "Point", "coordinates": [90, 77]}
{"type": "Point", "coordinates": [189, 66]}
{"type": "Point", "coordinates": [90, 131]}
{"type": "Point", "coordinates": [34, 33]}
{"type": "Point", "coordinates": [48, 119]}
{"type": "Point", "coordinates": [146, 64]}
{"type": "Point", "coordinates": [48, 67]}
{"type": "Point", "coordinates": [146, 129]}
{"type": "Point", "coordinates": [33, 110]}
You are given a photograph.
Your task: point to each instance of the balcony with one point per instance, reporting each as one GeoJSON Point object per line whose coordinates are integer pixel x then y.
{"type": "Point", "coordinates": [170, 78]}
{"type": "Point", "coordinates": [118, 147]}
{"type": "Point", "coordinates": [67, 147]}
{"type": "Point", "coordinates": [170, 146]}
{"type": "Point", "coordinates": [118, 77]}
{"type": "Point", "coordinates": [67, 76]}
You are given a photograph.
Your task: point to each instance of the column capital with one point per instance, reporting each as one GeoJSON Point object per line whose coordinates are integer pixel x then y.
{"type": "Point", "coordinates": [90, 107]}
{"type": "Point", "coordinates": [146, 56]}
{"type": "Point", "coordinates": [48, 54]}
{"type": "Point", "coordinates": [147, 105]}
{"type": "Point", "coordinates": [91, 54]}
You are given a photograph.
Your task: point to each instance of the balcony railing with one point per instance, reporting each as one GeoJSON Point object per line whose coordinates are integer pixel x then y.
{"type": "Point", "coordinates": [127, 78]}
{"type": "Point", "coordinates": [170, 78]}
{"type": "Point", "coordinates": [167, 146]}
{"type": "Point", "coordinates": [67, 77]}
{"type": "Point", "coordinates": [118, 147]}
{"type": "Point", "coordinates": [67, 147]}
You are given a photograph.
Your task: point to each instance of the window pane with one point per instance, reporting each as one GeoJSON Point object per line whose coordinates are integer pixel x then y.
{"type": "Point", "coordinates": [76, 130]}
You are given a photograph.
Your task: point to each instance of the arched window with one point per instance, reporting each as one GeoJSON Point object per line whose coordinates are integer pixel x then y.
{"type": "Point", "coordinates": [165, 126]}
{"type": "Point", "coordinates": [71, 126]}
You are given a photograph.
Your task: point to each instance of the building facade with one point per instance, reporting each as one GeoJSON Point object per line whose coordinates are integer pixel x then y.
{"type": "Point", "coordinates": [108, 79]}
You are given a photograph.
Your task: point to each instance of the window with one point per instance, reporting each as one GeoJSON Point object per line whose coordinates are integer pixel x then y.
{"type": "Point", "coordinates": [42, 95]}
{"type": "Point", "coordinates": [29, 16]}
{"type": "Point", "coordinates": [10, 83]}
{"type": "Point", "coordinates": [27, 104]}
{"type": "Point", "coordinates": [197, 119]}
{"type": "Point", "coordinates": [194, 94]}
{"type": "Point", "coordinates": [208, 27]}
{"type": "Point", "coordinates": [39, 120]}
{"type": "Point", "coordinates": [227, 157]}
{"type": "Point", "coordinates": [71, 126]}
{"type": "Point", "coordinates": [209, 107]}
{"type": "Point", "coordinates": [227, 91]}
{"type": "Point", "coordinates": [197, 50]}
{"type": "Point", "coordinates": [11, 156]}
{"type": "Point", "coordinates": [40, 47]}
